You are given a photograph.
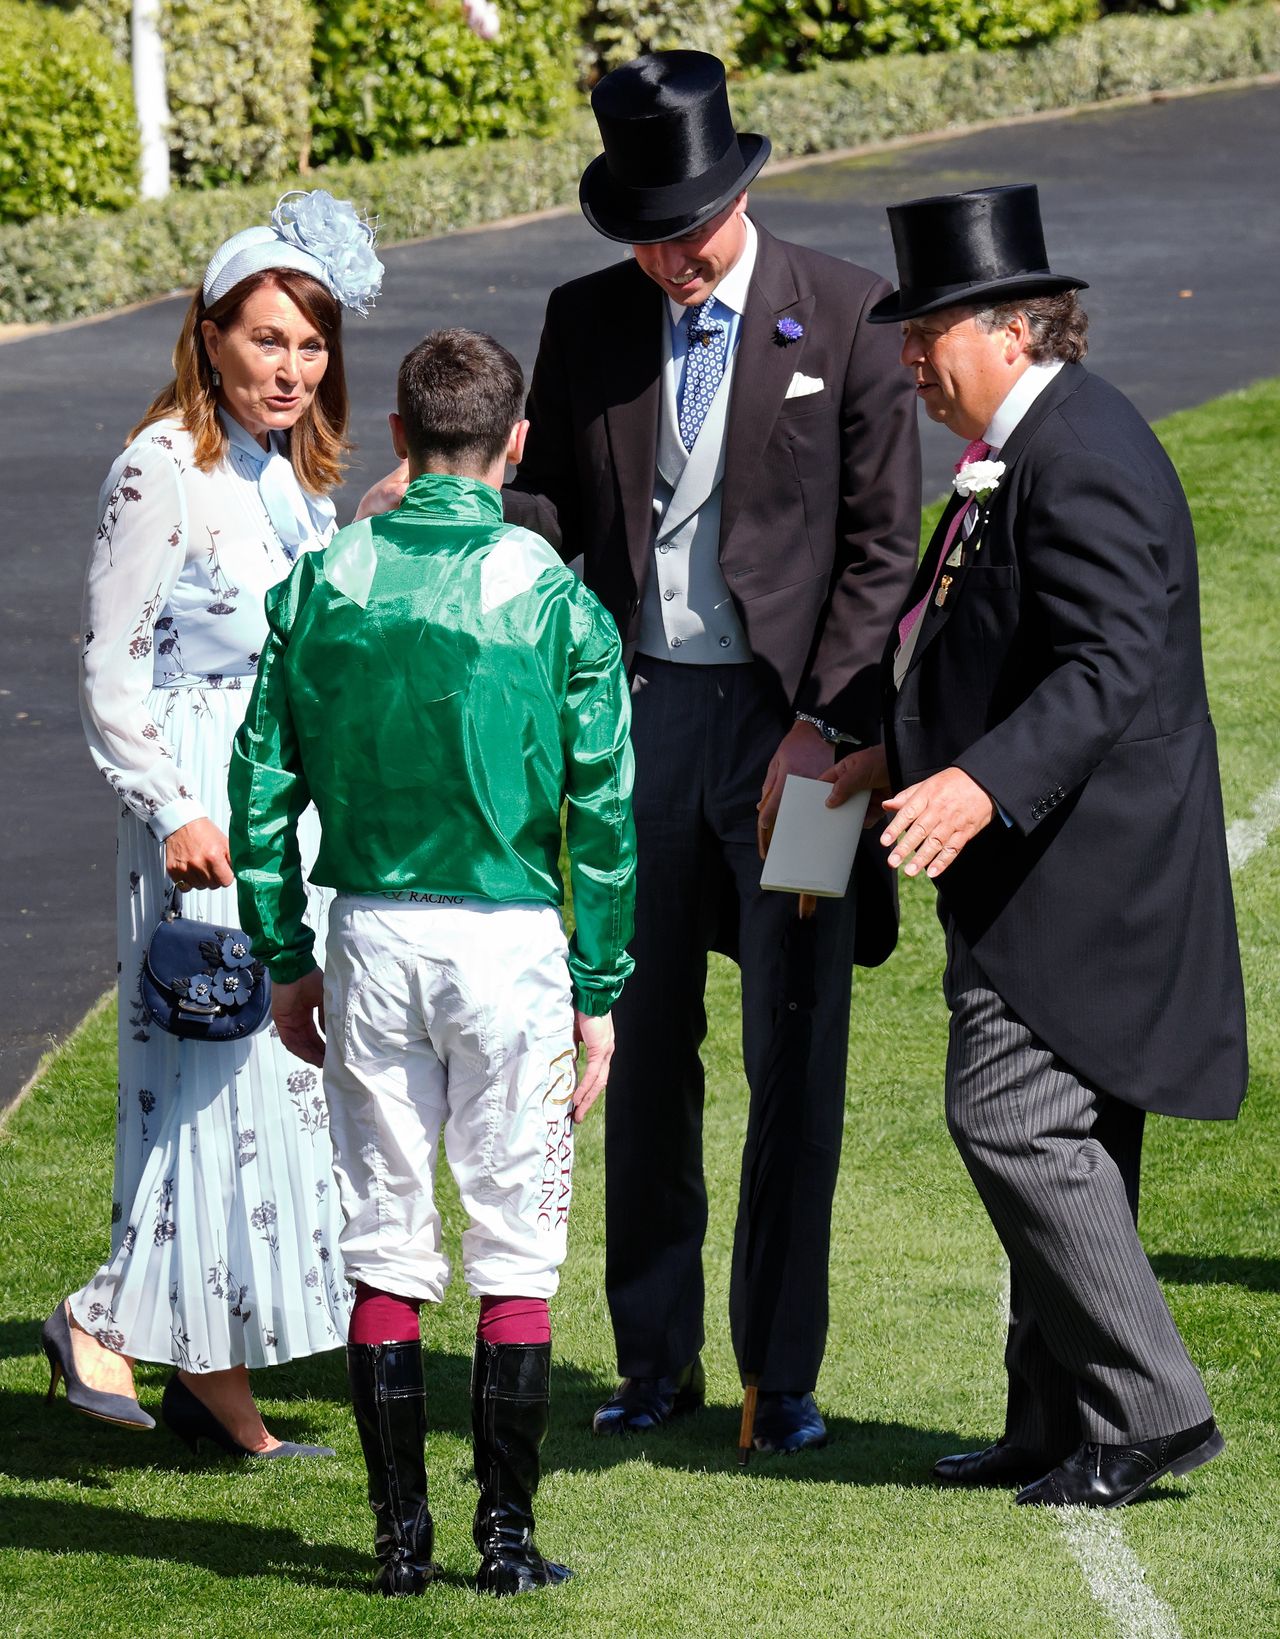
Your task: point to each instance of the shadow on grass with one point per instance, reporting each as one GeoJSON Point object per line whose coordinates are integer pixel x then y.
{"type": "Point", "coordinates": [225, 1547]}
{"type": "Point", "coordinates": [858, 1453]}
{"type": "Point", "coordinates": [1184, 1269]}
{"type": "Point", "coordinates": [306, 1400]}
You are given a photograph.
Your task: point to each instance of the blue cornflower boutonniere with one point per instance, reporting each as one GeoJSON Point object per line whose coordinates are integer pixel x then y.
{"type": "Point", "coordinates": [786, 331]}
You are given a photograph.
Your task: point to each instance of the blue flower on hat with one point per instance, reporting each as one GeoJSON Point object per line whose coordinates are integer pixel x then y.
{"type": "Point", "coordinates": [787, 330]}
{"type": "Point", "coordinates": [333, 231]}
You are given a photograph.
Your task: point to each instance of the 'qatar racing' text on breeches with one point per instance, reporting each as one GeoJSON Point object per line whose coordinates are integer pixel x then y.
{"type": "Point", "coordinates": [450, 1013]}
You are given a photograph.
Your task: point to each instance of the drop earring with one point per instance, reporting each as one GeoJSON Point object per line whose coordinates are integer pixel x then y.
{"type": "Point", "coordinates": [217, 377]}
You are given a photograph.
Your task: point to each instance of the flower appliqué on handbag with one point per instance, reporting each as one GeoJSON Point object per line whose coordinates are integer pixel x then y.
{"type": "Point", "coordinates": [231, 975]}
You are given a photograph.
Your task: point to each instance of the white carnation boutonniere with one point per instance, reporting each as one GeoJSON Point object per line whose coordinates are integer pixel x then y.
{"type": "Point", "coordinates": [978, 480]}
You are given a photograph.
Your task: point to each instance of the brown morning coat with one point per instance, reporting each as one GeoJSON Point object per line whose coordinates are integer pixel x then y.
{"type": "Point", "coordinates": [1063, 672]}
{"type": "Point", "coordinates": [820, 515]}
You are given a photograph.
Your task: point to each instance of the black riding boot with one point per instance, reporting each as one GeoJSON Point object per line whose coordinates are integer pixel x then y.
{"type": "Point", "coordinates": [391, 1416]}
{"type": "Point", "coordinates": [509, 1407]}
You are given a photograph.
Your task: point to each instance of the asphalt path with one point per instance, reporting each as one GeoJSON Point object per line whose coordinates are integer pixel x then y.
{"type": "Point", "coordinates": [1167, 209]}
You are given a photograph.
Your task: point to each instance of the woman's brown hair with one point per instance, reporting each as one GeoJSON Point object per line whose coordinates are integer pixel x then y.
{"type": "Point", "coordinates": [318, 440]}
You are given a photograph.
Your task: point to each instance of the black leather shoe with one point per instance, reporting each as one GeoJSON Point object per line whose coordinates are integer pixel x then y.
{"type": "Point", "coordinates": [644, 1403]}
{"type": "Point", "coordinates": [1098, 1476]}
{"type": "Point", "coordinates": [999, 1465]}
{"type": "Point", "coordinates": [788, 1422]}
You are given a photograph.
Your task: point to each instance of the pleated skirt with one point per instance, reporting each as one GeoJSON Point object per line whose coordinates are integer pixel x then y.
{"type": "Point", "coordinates": [225, 1219]}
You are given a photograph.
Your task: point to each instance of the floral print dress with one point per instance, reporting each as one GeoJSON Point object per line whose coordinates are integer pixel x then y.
{"type": "Point", "coordinates": [225, 1220]}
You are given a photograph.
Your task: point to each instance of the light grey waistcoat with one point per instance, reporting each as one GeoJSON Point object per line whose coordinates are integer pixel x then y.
{"type": "Point", "coordinates": [687, 614]}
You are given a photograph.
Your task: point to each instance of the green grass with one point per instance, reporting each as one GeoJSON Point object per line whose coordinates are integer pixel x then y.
{"type": "Point", "coordinates": [112, 1533]}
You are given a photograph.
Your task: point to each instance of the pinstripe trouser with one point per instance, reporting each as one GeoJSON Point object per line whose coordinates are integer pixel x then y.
{"type": "Point", "coordinates": [1093, 1352]}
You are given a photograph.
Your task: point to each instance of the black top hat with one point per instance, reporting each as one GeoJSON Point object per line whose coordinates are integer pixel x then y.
{"type": "Point", "coordinates": [672, 158]}
{"type": "Point", "coordinates": [963, 248]}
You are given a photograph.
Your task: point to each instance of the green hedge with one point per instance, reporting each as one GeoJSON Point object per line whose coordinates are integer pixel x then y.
{"type": "Point", "coordinates": [57, 269]}
{"type": "Point", "coordinates": [396, 76]}
{"type": "Point", "coordinates": [67, 134]}
{"type": "Point", "coordinates": [615, 31]}
{"type": "Point", "coordinates": [233, 69]}
{"type": "Point", "coordinates": [796, 34]}
{"type": "Point", "coordinates": [237, 72]}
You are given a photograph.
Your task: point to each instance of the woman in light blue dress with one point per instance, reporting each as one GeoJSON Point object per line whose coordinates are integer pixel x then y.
{"type": "Point", "coordinates": [225, 1222]}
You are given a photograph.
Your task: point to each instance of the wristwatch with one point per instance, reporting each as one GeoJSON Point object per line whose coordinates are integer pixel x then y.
{"type": "Point", "coordinates": [833, 736]}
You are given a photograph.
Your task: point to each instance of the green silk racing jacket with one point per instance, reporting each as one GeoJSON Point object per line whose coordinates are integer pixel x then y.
{"type": "Point", "coordinates": [439, 685]}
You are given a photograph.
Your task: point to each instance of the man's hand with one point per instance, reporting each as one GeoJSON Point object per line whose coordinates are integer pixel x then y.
{"type": "Point", "coordinates": [298, 1011]}
{"type": "Point", "coordinates": [865, 770]}
{"type": "Point", "coordinates": [596, 1035]}
{"type": "Point", "coordinates": [803, 751]}
{"type": "Point", "coordinates": [386, 495]}
{"type": "Point", "coordinates": [934, 820]}
{"type": "Point", "coordinates": [196, 856]}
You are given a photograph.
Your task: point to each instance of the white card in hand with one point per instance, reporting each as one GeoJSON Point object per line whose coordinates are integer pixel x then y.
{"type": "Point", "coordinates": [812, 847]}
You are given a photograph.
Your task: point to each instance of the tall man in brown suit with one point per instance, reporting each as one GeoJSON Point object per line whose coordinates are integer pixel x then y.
{"type": "Point", "coordinates": [731, 448]}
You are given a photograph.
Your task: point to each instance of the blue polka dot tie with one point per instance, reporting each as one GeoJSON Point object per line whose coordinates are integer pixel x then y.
{"type": "Point", "coordinates": [703, 367]}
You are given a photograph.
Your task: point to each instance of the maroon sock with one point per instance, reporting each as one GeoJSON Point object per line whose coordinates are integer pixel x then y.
{"type": "Point", "coordinates": [514, 1320]}
{"type": "Point", "coordinates": [378, 1317]}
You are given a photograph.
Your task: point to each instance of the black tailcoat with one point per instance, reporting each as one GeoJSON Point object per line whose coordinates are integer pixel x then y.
{"type": "Point", "coordinates": [1063, 672]}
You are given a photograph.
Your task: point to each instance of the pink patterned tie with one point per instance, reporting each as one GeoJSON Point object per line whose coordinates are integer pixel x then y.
{"type": "Point", "coordinates": [977, 451]}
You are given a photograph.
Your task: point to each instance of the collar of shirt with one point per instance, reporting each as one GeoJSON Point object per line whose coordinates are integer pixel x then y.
{"type": "Point", "coordinates": [296, 517]}
{"type": "Point", "coordinates": [1017, 401]}
{"type": "Point", "coordinates": [448, 498]}
{"type": "Point", "coordinates": [731, 293]}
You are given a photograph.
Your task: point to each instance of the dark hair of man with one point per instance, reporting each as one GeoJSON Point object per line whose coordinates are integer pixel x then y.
{"type": "Point", "coordinates": [1059, 326]}
{"type": "Point", "coordinates": [459, 394]}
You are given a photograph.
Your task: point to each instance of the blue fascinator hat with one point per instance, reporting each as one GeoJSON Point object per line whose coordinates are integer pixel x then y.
{"type": "Point", "coordinates": [313, 233]}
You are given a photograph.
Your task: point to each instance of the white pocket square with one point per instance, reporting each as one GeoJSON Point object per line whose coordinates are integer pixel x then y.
{"type": "Point", "coordinates": [801, 385]}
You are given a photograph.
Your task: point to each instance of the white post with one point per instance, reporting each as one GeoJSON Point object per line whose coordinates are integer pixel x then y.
{"type": "Point", "coordinates": [146, 50]}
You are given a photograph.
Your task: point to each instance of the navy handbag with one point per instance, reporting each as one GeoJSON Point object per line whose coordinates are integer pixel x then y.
{"type": "Point", "coordinates": [202, 982]}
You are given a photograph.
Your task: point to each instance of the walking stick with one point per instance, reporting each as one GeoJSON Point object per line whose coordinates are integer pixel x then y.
{"type": "Point", "coordinates": [746, 1434]}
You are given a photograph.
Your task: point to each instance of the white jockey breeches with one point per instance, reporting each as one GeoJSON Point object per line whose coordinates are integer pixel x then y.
{"type": "Point", "coordinates": [453, 1015]}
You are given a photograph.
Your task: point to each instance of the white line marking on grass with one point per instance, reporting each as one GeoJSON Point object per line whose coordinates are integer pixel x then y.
{"type": "Point", "coordinates": [1111, 1568]}
{"type": "Point", "coordinates": [1113, 1571]}
{"type": "Point", "coordinates": [1247, 837]}
{"type": "Point", "coordinates": [1115, 1576]}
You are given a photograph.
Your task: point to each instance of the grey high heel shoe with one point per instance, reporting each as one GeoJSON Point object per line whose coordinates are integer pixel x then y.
{"type": "Point", "coordinates": [121, 1409]}
{"type": "Point", "coordinates": [191, 1420]}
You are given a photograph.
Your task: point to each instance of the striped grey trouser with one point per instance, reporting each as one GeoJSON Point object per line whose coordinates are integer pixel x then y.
{"type": "Point", "coordinates": [1093, 1353]}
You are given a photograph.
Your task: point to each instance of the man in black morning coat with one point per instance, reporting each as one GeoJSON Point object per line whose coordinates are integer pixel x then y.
{"type": "Point", "coordinates": [731, 447]}
{"type": "Point", "coordinates": [1049, 740]}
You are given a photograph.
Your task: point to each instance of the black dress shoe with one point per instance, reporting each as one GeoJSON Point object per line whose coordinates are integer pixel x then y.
{"type": "Point", "coordinates": [1098, 1476]}
{"type": "Point", "coordinates": [788, 1422]}
{"type": "Point", "coordinates": [644, 1403]}
{"type": "Point", "coordinates": [999, 1465]}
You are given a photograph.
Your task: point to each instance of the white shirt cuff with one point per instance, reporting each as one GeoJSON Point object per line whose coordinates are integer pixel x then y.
{"type": "Point", "coordinates": [181, 811]}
